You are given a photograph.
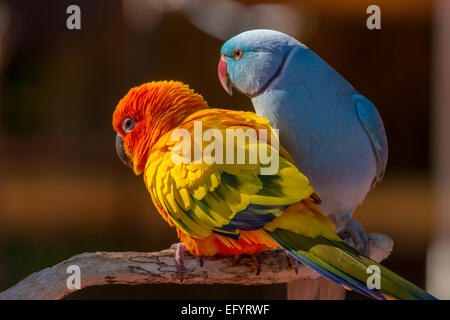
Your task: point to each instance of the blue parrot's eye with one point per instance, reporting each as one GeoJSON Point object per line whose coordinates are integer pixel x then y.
{"type": "Point", "coordinates": [238, 53]}
{"type": "Point", "coordinates": [128, 124]}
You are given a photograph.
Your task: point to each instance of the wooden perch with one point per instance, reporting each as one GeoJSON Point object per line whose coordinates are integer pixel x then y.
{"type": "Point", "coordinates": [133, 268]}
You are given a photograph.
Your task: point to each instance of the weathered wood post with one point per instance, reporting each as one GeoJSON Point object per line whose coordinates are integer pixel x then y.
{"type": "Point", "coordinates": [317, 289]}
{"type": "Point", "coordinates": [438, 260]}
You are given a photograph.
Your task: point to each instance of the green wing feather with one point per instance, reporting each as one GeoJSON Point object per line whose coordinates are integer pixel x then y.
{"type": "Point", "coordinates": [344, 265]}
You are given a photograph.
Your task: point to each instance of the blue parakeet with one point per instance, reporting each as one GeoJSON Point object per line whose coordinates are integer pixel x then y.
{"type": "Point", "coordinates": [335, 135]}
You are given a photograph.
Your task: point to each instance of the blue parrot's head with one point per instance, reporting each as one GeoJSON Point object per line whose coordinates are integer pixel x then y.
{"type": "Point", "coordinates": [250, 60]}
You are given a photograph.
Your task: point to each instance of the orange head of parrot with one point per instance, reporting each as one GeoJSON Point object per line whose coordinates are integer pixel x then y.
{"type": "Point", "coordinates": [146, 113]}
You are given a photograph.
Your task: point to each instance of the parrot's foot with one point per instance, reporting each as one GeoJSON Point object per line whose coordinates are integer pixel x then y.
{"type": "Point", "coordinates": [200, 260]}
{"type": "Point", "coordinates": [179, 258]}
{"type": "Point", "coordinates": [353, 233]}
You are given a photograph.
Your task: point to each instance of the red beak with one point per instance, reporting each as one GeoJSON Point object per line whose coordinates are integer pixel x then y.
{"type": "Point", "coordinates": [224, 76]}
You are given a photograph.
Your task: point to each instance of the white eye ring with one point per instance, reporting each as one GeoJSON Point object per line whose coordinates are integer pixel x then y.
{"type": "Point", "coordinates": [128, 124]}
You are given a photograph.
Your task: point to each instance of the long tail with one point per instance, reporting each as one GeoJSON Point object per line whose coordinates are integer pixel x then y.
{"type": "Point", "coordinates": [347, 267]}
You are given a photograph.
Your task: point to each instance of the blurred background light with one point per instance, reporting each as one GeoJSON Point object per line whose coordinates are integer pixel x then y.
{"type": "Point", "coordinates": [438, 256]}
{"type": "Point", "coordinates": [223, 18]}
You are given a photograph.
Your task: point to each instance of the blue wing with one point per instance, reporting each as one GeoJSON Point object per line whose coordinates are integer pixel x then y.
{"type": "Point", "coordinates": [371, 121]}
{"type": "Point", "coordinates": [254, 217]}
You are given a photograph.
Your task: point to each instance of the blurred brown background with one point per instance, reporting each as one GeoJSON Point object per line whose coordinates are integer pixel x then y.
{"type": "Point", "coordinates": [63, 190]}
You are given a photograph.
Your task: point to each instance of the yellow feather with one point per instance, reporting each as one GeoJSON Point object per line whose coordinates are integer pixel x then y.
{"type": "Point", "coordinates": [203, 197]}
{"type": "Point", "coordinates": [299, 219]}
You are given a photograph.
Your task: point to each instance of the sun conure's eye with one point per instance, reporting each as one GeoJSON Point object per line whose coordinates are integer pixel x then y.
{"type": "Point", "coordinates": [128, 124]}
{"type": "Point", "coordinates": [238, 53]}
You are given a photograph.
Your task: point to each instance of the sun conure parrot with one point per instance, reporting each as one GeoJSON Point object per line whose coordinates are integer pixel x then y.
{"type": "Point", "coordinates": [232, 209]}
{"type": "Point", "coordinates": [334, 134]}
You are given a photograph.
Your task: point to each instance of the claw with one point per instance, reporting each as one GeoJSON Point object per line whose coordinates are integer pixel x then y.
{"type": "Point", "coordinates": [354, 234]}
{"type": "Point", "coordinates": [179, 258]}
{"type": "Point", "coordinates": [200, 260]}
